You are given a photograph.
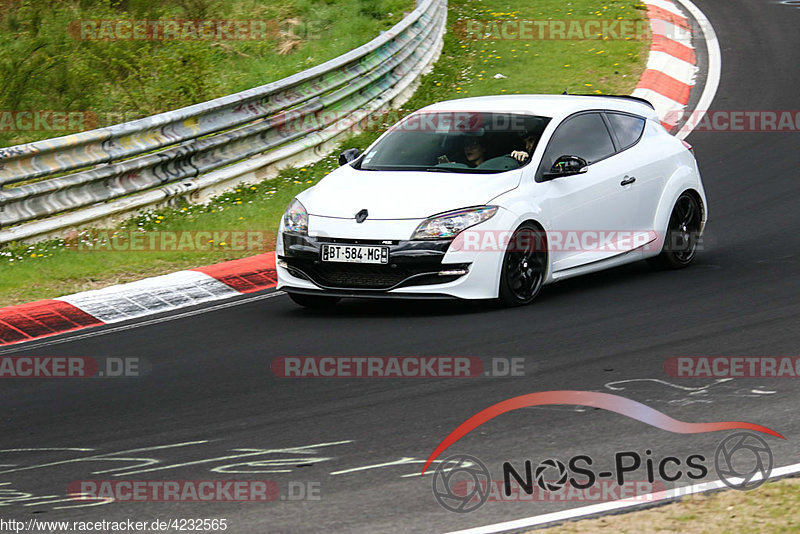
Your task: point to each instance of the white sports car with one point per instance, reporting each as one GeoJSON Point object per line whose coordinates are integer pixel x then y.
{"type": "Point", "coordinates": [493, 197]}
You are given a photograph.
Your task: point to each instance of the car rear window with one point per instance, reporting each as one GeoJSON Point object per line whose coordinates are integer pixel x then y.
{"type": "Point", "coordinates": [628, 128]}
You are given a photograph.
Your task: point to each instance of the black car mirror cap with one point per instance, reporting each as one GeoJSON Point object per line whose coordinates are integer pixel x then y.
{"type": "Point", "coordinates": [567, 166]}
{"type": "Point", "coordinates": [348, 156]}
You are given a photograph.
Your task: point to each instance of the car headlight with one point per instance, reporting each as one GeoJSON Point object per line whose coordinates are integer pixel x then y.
{"type": "Point", "coordinates": [295, 220]}
{"type": "Point", "coordinates": [452, 223]}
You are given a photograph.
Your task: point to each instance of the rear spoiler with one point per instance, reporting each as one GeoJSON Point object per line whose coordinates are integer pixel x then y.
{"type": "Point", "coordinates": [627, 97]}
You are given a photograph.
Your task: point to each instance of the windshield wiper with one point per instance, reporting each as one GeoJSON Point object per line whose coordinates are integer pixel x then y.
{"type": "Point", "coordinates": [466, 170]}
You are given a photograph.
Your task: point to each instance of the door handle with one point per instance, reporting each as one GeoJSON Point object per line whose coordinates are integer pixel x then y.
{"type": "Point", "coordinates": [628, 180]}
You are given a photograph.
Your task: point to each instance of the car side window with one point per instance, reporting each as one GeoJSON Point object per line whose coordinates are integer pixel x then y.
{"type": "Point", "coordinates": [583, 135]}
{"type": "Point", "coordinates": [627, 128]}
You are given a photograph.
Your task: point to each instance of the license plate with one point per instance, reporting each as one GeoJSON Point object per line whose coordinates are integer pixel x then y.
{"type": "Point", "coordinates": [355, 254]}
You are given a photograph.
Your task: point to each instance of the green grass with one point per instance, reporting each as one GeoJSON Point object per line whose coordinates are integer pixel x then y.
{"type": "Point", "coordinates": [468, 67]}
{"type": "Point", "coordinates": [43, 66]}
{"type": "Point", "coordinates": [30, 272]}
{"type": "Point", "coordinates": [769, 508]}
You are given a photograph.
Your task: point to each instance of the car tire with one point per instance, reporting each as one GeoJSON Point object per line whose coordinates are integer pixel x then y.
{"type": "Point", "coordinates": [314, 301]}
{"type": "Point", "coordinates": [524, 266]}
{"type": "Point", "coordinates": [680, 240]}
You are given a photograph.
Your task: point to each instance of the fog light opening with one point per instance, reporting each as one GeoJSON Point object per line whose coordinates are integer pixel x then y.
{"type": "Point", "coordinates": [454, 272]}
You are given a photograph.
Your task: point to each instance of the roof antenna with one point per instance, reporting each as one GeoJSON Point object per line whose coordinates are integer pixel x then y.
{"type": "Point", "coordinates": [565, 91]}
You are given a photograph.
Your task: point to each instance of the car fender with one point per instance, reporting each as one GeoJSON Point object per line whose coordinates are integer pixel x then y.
{"type": "Point", "coordinates": [516, 209]}
{"type": "Point", "coordinates": [532, 212]}
{"type": "Point", "coordinates": [683, 179]}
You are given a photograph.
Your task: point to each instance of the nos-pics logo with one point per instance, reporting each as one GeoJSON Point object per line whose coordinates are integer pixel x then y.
{"type": "Point", "coordinates": [742, 461]}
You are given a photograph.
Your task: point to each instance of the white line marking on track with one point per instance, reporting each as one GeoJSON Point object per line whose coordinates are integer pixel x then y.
{"type": "Point", "coordinates": [714, 66]}
{"type": "Point", "coordinates": [108, 456]}
{"type": "Point", "coordinates": [246, 453]}
{"type": "Point", "coordinates": [401, 461]}
{"type": "Point", "coordinates": [600, 508]}
{"type": "Point", "coordinates": [47, 449]}
{"type": "Point", "coordinates": [611, 385]}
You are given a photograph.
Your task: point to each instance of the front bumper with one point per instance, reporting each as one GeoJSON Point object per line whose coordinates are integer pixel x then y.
{"type": "Point", "coordinates": [412, 264]}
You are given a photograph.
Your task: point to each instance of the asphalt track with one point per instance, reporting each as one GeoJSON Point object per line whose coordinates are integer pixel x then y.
{"type": "Point", "coordinates": [210, 384]}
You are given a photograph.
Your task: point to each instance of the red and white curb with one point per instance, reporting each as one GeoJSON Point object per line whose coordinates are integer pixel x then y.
{"type": "Point", "coordinates": [672, 66]}
{"type": "Point", "coordinates": [137, 299]}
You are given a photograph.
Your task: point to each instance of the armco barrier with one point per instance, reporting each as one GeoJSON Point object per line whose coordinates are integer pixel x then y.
{"type": "Point", "coordinates": [193, 152]}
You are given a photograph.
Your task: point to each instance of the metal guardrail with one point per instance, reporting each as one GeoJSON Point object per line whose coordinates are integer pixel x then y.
{"type": "Point", "coordinates": [77, 179]}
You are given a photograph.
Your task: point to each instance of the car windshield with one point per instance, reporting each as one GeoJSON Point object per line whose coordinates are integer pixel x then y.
{"type": "Point", "coordinates": [461, 142]}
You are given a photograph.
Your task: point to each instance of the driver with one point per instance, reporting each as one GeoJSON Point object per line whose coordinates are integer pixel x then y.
{"type": "Point", "coordinates": [529, 138]}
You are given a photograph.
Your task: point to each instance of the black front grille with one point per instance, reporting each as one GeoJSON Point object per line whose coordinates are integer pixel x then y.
{"type": "Point", "coordinates": [359, 276]}
{"type": "Point", "coordinates": [411, 263]}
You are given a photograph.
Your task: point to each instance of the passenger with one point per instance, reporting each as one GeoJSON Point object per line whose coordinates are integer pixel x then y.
{"type": "Point", "coordinates": [474, 151]}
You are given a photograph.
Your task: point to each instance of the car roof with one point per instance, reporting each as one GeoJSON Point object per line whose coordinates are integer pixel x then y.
{"type": "Point", "coordinates": [555, 106]}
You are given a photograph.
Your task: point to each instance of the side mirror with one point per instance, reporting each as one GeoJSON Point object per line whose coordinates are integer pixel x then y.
{"type": "Point", "coordinates": [349, 155]}
{"type": "Point", "coordinates": [567, 166]}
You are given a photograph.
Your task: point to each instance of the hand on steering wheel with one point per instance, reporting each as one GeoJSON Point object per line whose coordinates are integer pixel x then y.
{"type": "Point", "coordinates": [519, 155]}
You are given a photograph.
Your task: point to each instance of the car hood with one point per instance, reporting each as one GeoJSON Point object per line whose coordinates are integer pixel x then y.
{"type": "Point", "coordinates": [402, 194]}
